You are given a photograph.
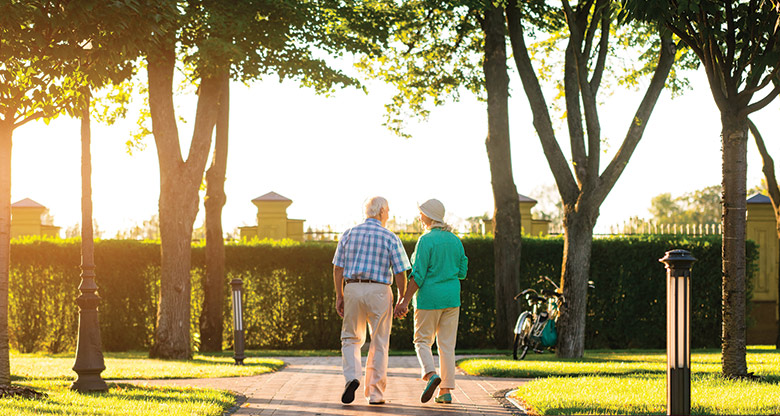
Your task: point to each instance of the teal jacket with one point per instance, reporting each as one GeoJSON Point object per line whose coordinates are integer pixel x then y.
{"type": "Point", "coordinates": [438, 266]}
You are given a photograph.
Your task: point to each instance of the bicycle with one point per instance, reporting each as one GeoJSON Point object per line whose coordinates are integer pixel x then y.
{"type": "Point", "coordinates": [535, 329]}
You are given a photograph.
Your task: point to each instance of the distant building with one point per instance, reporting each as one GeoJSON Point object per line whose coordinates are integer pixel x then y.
{"type": "Point", "coordinates": [528, 224]}
{"type": "Point", "coordinates": [762, 229]}
{"type": "Point", "coordinates": [272, 221]}
{"type": "Point", "coordinates": [27, 219]}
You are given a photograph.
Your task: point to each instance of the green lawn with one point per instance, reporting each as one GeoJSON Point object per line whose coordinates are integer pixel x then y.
{"type": "Point", "coordinates": [120, 400]}
{"type": "Point", "coordinates": [634, 382]}
{"type": "Point", "coordinates": [52, 374]}
{"type": "Point", "coordinates": [137, 365]}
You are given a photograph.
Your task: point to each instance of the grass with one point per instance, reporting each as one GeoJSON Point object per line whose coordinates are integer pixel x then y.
{"type": "Point", "coordinates": [137, 365]}
{"type": "Point", "coordinates": [52, 374]}
{"type": "Point", "coordinates": [121, 399]}
{"type": "Point", "coordinates": [634, 383]}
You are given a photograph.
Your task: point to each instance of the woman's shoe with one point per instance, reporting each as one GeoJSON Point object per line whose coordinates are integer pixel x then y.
{"type": "Point", "coordinates": [444, 398]}
{"type": "Point", "coordinates": [433, 382]}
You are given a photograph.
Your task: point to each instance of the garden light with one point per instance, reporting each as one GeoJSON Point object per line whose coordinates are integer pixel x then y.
{"type": "Point", "coordinates": [678, 331]}
{"type": "Point", "coordinates": [238, 322]}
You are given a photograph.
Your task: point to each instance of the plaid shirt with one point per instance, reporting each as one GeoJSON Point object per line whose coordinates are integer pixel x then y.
{"type": "Point", "coordinates": [371, 252]}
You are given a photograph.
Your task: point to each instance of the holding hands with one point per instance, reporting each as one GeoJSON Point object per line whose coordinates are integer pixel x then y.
{"type": "Point", "coordinates": [401, 309]}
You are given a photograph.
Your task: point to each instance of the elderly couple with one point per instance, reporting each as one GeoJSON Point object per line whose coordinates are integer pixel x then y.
{"type": "Point", "coordinates": [368, 258]}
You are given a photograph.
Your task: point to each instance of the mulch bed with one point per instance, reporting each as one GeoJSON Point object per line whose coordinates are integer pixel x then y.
{"type": "Point", "coordinates": [20, 391]}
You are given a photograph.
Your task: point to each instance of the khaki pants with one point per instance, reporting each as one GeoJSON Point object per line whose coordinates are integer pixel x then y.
{"type": "Point", "coordinates": [370, 303]}
{"type": "Point", "coordinates": [441, 324]}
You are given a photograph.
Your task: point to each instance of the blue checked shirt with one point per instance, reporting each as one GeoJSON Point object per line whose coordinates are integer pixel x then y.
{"type": "Point", "coordinates": [371, 252]}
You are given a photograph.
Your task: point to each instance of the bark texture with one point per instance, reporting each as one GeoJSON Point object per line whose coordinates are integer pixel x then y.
{"type": "Point", "coordinates": [6, 134]}
{"type": "Point", "coordinates": [507, 231]}
{"type": "Point", "coordinates": [213, 287]}
{"type": "Point", "coordinates": [179, 184]}
{"type": "Point", "coordinates": [734, 350]}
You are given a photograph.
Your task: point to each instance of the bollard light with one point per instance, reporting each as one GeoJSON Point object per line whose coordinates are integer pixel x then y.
{"type": "Point", "coordinates": [678, 331]}
{"type": "Point", "coordinates": [238, 321]}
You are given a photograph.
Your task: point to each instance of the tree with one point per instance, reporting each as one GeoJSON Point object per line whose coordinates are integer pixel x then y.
{"type": "Point", "coordinates": [213, 286]}
{"type": "Point", "coordinates": [736, 43]}
{"type": "Point", "coordinates": [506, 218]}
{"type": "Point", "coordinates": [31, 88]}
{"type": "Point", "coordinates": [772, 187]}
{"type": "Point", "coordinates": [698, 207]}
{"type": "Point", "coordinates": [42, 75]}
{"type": "Point", "coordinates": [218, 40]}
{"type": "Point", "coordinates": [440, 49]}
{"type": "Point", "coordinates": [441, 43]}
{"type": "Point", "coordinates": [584, 186]}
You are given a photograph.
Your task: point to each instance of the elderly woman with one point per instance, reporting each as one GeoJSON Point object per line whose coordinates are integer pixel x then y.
{"type": "Point", "coordinates": [438, 266]}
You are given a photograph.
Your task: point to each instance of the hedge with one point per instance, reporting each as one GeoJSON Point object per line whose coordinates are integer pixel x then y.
{"type": "Point", "coordinates": [289, 299]}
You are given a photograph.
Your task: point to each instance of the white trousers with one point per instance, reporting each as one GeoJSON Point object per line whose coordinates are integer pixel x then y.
{"type": "Point", "coordinates": [441, 324]}
{"type": "Point", "coordinates": [372, 304]}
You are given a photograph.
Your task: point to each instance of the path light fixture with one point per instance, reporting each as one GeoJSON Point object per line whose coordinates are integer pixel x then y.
{"type": "Point", "coordinates": [678, 331]}
{"type": "Point", "coordinates": [238, 321]}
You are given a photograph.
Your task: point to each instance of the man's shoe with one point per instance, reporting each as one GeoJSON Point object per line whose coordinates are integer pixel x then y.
{"type": "Point", "coordinates": [377, 402]}
{"type": "Point", "coordinates": [433, 382]}
{"type": "Point", "coordinates": [349, 391]}
{"type": "Point", "coordinates": [444, 398]}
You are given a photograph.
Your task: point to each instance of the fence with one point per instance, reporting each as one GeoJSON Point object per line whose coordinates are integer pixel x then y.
{"type": "Point", "coordinates": [639, 227]}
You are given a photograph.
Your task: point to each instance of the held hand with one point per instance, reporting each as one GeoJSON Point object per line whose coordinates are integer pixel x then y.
{"type": "Point", "coordinates": [340, 306]}
{"type": "Point", "coordinates": [401, 309]}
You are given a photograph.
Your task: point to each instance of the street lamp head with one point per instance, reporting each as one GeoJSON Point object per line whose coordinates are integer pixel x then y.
{"type": "Point", "coordinates": [678, 261]}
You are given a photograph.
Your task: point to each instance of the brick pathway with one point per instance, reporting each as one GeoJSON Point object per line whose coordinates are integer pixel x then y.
{"type": "Point", "coordinates": [313, 385]}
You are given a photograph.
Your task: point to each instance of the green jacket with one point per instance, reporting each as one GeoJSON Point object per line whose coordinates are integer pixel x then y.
{"type": "Point", "coordinates": [438, 266]}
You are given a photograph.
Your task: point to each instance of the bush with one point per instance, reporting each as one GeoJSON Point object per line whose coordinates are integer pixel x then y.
{"type": "Point", "coordinates": [289, 300]}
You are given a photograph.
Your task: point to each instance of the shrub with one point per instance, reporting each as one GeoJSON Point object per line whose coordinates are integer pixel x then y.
{"type": "Point", "coordinates": [289, 300]}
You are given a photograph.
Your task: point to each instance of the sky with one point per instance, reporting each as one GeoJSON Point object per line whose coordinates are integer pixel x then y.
{"type": "Point", "coordinates": [328, 154]}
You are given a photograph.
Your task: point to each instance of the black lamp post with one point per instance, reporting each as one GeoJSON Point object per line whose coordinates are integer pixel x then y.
{"type": "Point", "coordinates": [678, 331]}
{"type": "Point", "coordinates": [89, 355]}
{"type": "Point", "coordinates": [238, 321]}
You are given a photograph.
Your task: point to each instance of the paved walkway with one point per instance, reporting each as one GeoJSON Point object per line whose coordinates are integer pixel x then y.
{"type": "Point", "coordinates": [313, 385]}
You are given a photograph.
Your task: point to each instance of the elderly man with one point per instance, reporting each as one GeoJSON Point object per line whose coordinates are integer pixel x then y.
{"type": "Point", "coordinates": [368, 257]}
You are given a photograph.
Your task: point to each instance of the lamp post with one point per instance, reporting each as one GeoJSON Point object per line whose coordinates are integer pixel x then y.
{"type": "Point", "coordinates": [678, 331]}
{"type": "Point", "coordinates": [89, 356]}
{"type": "Point", "coordinates": [238, 321]}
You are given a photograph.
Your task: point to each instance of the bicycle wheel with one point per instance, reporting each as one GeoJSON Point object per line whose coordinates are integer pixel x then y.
{"type": "Point", "coordinates": [522, 332]}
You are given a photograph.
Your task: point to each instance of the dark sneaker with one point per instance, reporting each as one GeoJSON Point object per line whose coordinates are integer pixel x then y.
{"type": "Point", "coordinates": [349, 392]}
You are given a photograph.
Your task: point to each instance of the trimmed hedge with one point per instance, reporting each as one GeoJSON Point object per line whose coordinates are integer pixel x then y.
{"type": "Point", "coordinates": [289, 299]}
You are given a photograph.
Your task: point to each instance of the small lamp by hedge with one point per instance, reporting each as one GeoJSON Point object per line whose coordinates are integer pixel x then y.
{"type": "Point", "coordinates": [678, 331]}
{"type": "Point", "coordinates": [237, 286]}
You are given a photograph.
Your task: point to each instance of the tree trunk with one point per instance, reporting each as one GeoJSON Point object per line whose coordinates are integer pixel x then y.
{"type": "Point", "coordinates": [734, 136]}
{"type": "Point", "coordinates": [213, 286]}
{"type": "Point", "coordinates": [6, 134]}
{"type": "Point", "coordinates": [507, 231]}
{"type": "Point", "coordinates": [179, 185]}
{"type": "Point", "coordinates": [578, 238]}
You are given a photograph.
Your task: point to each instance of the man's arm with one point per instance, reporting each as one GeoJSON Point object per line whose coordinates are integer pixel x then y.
{"type": "Point", "coordinates": [338, 283]}
{"type": "Point", "coordinates": [402, 307]}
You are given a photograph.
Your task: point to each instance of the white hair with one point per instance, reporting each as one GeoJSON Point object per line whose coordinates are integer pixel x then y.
{"type": "Point", "coordinates": [374, 205]}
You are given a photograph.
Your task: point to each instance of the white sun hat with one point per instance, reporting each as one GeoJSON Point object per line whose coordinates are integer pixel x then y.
{"type": "Point", "coordinates": [433, 209]}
